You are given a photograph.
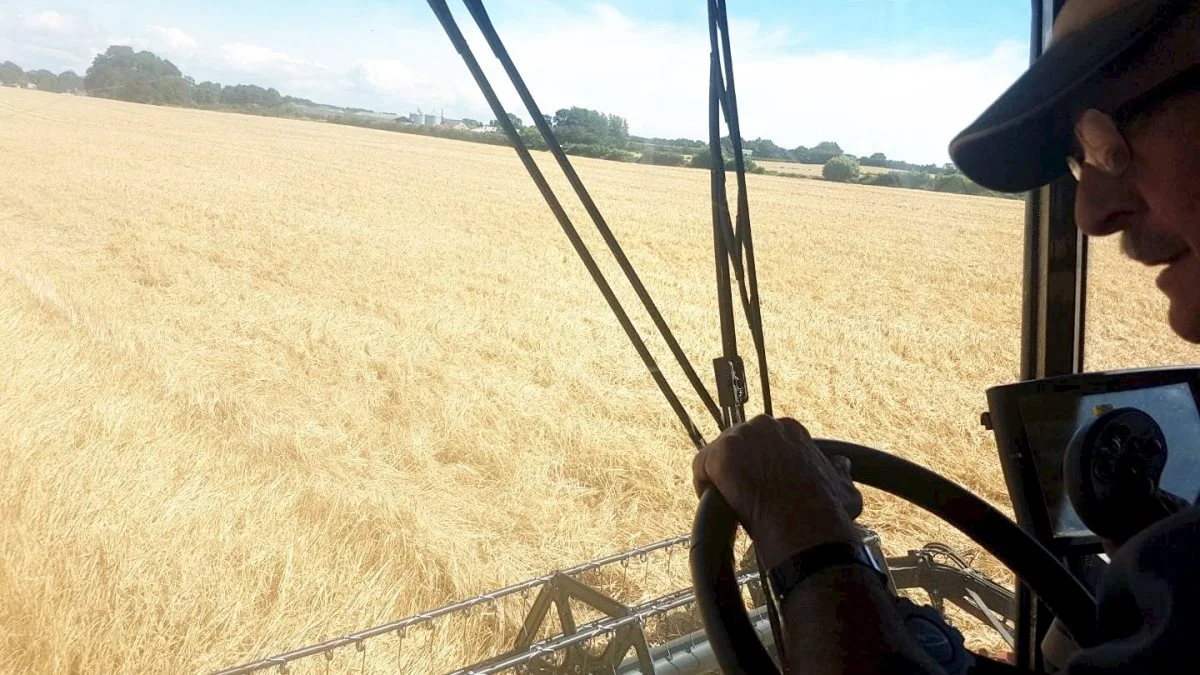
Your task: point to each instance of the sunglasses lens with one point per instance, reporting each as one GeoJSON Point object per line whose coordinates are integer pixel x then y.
{"type": "Point", "coordinates": [1101, 144]}
{"type": "Point", "coordinates": [1075, 166]}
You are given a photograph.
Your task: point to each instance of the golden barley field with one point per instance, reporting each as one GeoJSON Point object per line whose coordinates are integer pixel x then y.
{"type": "Point", "coordinates": [264, 382]}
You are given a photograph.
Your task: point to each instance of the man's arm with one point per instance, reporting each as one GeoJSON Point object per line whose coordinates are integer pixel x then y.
{"type": "Point", "coordinates": [844, 621]}
{"type": "Point", "coordinates": [789, 498]}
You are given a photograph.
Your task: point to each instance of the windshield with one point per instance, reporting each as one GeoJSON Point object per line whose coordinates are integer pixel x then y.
{"type": "Point", "coordinates": [295, 348]}
{"type": "Point", "coordinates": [1127, 325]}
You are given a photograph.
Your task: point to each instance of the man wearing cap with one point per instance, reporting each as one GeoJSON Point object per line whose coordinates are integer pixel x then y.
{"type": "Point", "coordinates": [1115, 101]}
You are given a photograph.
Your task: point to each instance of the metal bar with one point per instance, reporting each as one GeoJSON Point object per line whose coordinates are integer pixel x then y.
{"type": "Point", "coordinates": [729, 246]}
{"type": "Point", "coordinates": [456, 37]}
{"type": "Point", "coordinates": [574, 588]}
{"type": "Point", "coordinates": [723, 241]}
{"type": "Point", "coordinates": [586, 632]}
{"type": "Point", "coordinates": [535, 618]}
{"type": "Point", "coordinates": [424, 617]}
{"type": "Point", "coordinates": [476, 8]}
{"type": "Point", "coordinates": [991, 617]}
{"type": "Point", "coordinates": [692, 654]}
{"type": "Point", "coordinates": [1053, 310]}
{"type": "Point", "coordinates": [641, 650]}
{"type": "Point", "coordinates": [562, 602]}
{"type": "Point", "coordinates": [1055, 261]}
{"type": "Point", "coordinates": [750, 301]}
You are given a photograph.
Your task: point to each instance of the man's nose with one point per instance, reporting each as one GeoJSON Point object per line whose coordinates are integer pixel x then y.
{"type": "Point", "coordinates": [1104, 204]}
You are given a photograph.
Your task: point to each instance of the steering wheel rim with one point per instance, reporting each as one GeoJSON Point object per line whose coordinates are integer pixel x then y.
{"type": "Point", "coordinates": [718, 597]}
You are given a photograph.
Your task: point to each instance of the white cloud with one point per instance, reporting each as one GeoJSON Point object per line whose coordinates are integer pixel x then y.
{"type": "Point", "coordinates": [906, 104]}
{"type": "Point", "coordinates": [171, 39]}
{"type": "Point", "coordinates": [395, 80]}
{"type": "Point", "coordinates": [656, 75]}
{"type": "Point", "coordinates": [251, 58]}
{"type": "Point", "coordinates": [50, 21]}
{"type": "Point", "coordinates": [388, 76]}
{"type": "Point", "coordinates": [47, 39]}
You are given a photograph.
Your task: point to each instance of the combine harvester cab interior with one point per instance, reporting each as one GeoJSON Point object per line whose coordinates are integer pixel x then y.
{"type": "Point", "coordinates": [1051, 428]}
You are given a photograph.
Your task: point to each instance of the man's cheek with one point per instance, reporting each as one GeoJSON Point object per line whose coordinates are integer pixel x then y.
{"type": "Point", "coordinates": [1180, 282]}
{"type": "Point", "coordinates": [1184, 318]}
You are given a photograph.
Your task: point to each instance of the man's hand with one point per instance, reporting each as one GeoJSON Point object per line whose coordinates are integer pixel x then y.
{"type": "Point", "coordinates": [785, 492]}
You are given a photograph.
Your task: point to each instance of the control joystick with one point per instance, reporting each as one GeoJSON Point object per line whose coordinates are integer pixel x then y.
{"type": "Point", "coordinates": [1112, 469]}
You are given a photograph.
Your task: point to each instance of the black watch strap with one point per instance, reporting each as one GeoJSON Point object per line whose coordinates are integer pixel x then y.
{"type": "Point", "coordinates": [792, 572]}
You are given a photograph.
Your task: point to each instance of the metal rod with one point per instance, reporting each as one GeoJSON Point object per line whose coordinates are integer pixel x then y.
{"type": "Point", "coordinates": [424, 617]}
{"type": "Point", "coordinates": [723, 242]}
{"type": "Point", "coordinates": [477, 10]}
{"type": "Point", "coordinates": [456, 37]}
{"type": "Point", "coordinates": [750, 301]}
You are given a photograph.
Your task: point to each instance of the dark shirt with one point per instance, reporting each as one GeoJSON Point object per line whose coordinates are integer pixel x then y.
{"type": "Point", "coordinates": [1149, 603]}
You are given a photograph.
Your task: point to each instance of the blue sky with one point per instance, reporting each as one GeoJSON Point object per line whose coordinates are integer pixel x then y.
{"type": "Point", "coordinates": [893, 76]}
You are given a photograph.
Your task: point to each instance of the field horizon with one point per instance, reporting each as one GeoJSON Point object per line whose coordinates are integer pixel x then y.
{"type": "Point", "coordinates": [270, 381]}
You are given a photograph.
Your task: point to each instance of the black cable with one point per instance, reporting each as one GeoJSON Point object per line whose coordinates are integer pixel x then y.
{"type": "Point", "coordinates": [729, 387]}
{"type": "Point", "coordinates": [460, 44]}
{"type": "Point", "coordinates": [750, 300]}
{"type": "Point", "coordinates": [476, 8]}
{"type": "Point", "coordinates": [730, 244]}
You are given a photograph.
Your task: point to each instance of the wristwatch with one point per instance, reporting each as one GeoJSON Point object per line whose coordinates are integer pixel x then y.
{"type": "Point", "coordinates": [790, 573]}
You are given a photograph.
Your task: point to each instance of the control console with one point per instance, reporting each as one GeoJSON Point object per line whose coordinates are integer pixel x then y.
{"type": "Point", "coordinates": [1098, 455]}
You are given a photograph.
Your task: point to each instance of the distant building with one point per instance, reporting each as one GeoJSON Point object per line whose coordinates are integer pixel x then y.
{"type": "Point", "coordinates": [747, 153]}
{"type": "Point", "coordinates": [415, 118]}
{"type": "Point", "coordinates": [457, 125]}
{"type": "Point", "coordinates": [484, 130]}
{"type": "Point", "coordinates": [431, 120]}
{"type": "Point", "coordinates": [30, 85]}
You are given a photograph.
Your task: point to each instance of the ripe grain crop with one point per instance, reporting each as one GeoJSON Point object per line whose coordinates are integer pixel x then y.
{"type": "Point", "coordinates": [265, 381]}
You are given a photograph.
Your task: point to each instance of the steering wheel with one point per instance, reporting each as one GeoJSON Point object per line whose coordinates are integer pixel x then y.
{"type": "Point", "coordinates": [719, 600]}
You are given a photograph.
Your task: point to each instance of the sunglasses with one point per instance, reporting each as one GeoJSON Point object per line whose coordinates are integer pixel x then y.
{"type": "Point", "coordinates": [1100, 138]}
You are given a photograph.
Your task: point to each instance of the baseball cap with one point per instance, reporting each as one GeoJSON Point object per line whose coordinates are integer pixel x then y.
{"type": "Point", "coordinates": [1102, 53]}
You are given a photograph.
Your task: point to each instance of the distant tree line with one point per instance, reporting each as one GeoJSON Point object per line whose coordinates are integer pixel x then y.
{"type": "Point", "coordinates": [847, 169]}
{"type": "Point", "coordinates": [143, 77]}
{"type": "Point", "coordinates": [11, 75]}
{"type": "Point", "coordinates": [837, 165]}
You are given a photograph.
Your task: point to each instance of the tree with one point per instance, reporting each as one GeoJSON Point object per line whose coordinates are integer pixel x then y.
{"type": "Point", "coordinates": [141, 77]}
{"type": "Point", "coordinates": [765, 148]}
{"type": "Point", "coordinates": [471, 124]}
{"type": "Point", "coordinates": [591, 127]}
{"type": "Point", "coordinates": [661, 157]}
{"type": "Point", "coordinates": [173, 90]}
{"type": "Point", "coordinates": [877, 159]}
{"type": "Point", "coordinates": [703, 160]}
{"type": "Point", "coordinates": [11, 73]}
{"type": "Point", "coordinates": [206, 94]}
{"type": "Point", "coordinates": [43, 79]}
{"type": "Point", "coordinates": [516, 122]}
{"type": "Point", "coordinates": [618, 131]}
{"type": "Point", "coordinates": [842, 168]}
{"type": "Point", "coordinates": [581, 125]}
{"type": "Point", "coordinates": [819, 154]}
{"type": "Point", "coordinates": [68, 80]}
{"type": "Point", "coordinates": [958, 183]}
